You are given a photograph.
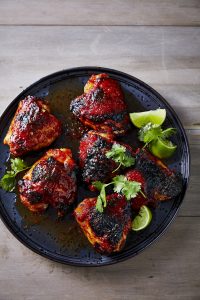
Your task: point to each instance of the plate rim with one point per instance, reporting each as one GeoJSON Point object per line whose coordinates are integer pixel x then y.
{"type": "Point", "coordinates": [165, 225]}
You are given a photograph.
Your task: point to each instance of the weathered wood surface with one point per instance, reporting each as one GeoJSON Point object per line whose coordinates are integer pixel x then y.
{"type": "Point", "coordinates": [100, 12]}
{"type": "Point", "coordinates": [191, 206]}
{"type": "Point", "coordinates": [165, 57]}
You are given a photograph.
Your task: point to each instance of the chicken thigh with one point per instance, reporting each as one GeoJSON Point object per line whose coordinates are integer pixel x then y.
{"type": "Point", "coordinates": [106, 231]}
{"type": "Point", "coordinates": [50, 181]}
{"type": "Point", "coordinates": [32, 128]}
{"type": "Point", "coordinates": [158, 182]}
{"type": "Point", "coordinates": [102, 106]}
{"type": "Point", "coordinates": [92, 156]}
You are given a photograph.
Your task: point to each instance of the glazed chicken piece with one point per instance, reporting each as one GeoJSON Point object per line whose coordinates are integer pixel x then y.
{"type": "Point", "coordinates": [106, 231]}
{"type": "Point", "coordinates": [32, 128]}
{"type": "Point", "coordinates": [139, 200]}
{"type": "Point", "coordinates": [50, 181]}
{"type": "Point", "coordinates": [102, 105]}
{"type": "Point", "coordinates": [159, 183]}
{"type": "Point", "coordinates": [92, 156]}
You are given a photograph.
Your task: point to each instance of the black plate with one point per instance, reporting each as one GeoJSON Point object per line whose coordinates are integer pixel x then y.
{"type": "Point", "coordinates": [63, 241]}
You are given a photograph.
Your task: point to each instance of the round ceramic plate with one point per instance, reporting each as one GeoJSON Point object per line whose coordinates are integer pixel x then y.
{"type": "Point", "coordinates": [62, 240]}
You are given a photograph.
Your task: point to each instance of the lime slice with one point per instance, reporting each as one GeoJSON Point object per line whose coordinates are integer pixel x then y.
{"type": "Point", "coordinates": [143, 219]}
{"type": "Point", "coordinates": [156, 117]}
{"type": "Point", "coordinates": [162, 148]}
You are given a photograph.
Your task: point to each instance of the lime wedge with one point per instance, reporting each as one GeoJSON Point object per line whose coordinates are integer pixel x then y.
{"type": "Point", "coordinates": [162, 148]}
{"type": "Point", "coordinates": [156, 117]}
{"type": "Point", "coordinates": [143, 219]}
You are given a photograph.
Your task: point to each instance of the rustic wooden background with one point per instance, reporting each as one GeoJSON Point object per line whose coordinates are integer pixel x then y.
{"type": "Point", "coordinates": [157, 41]}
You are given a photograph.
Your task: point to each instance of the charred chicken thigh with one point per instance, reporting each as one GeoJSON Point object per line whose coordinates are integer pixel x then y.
{"type": "Point", "coordinates": [158, 181]}
{"type": "Point", "coordinates": [93, 161]}
{"type": "Point", "coordinates": [50, 181]}
{"type": "Point", "coordinates": [102, 105]}
{"type": "Point", "coordinates": [32, 128]}
{"type": "Point", "coordinates": [106, 231]}
{"type": "Point", "coordinates": [92, 156]}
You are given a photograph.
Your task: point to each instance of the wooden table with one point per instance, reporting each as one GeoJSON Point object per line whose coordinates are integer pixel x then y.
{"type": "Point", "coordinates": [156, 41]}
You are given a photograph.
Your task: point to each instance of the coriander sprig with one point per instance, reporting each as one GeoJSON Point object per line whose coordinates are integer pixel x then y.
{"type": "Point", "coordinates": [120, 155]}
{"type": "Point", "coordinates": [8, 181]}
{"type": "Point", "coordinates": [151, 132]}
{"type": "Point", "coordinates": [122, 185]}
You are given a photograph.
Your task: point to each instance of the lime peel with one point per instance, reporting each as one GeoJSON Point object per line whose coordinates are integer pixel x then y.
{"type": "Point", "coordinates": [156, 117]}
{"type": "Point", "coordinates": [143, 219]}
{"type": "Point", "coordinates": [162, 148]}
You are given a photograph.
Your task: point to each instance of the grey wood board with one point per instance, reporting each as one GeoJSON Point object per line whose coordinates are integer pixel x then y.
{"type": "Point", "coordinates": [100, 12]}
{"type": "Point", "coordinates": [167, 58]}
{"type": "Point", "coordinates": [168, 269]}
{"type": "Point", "coordinates": [190, 206]}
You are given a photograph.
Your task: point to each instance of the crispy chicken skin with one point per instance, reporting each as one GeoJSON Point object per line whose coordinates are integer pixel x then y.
{"type": "Point", "coordinates": [50, 181]}
{"type": "Point", "coordinates": [106, 231]}
{"type": "Point", "coordinates": [92, 156]}
{"type": "Point", "coordinates": [102, 106]}
{"type": "Point", "coordinates": [139, 200]}
{"type": "Point", "coordinates": [32, 128]}
{"type": "Point", "coordinates": [159, 183]}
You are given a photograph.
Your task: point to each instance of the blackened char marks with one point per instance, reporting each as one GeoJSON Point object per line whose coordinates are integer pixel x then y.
{"type": "Point", "coordinates": [47, 170]}
{"type": "Point", "coordinates": [158, 181]}
{"type": "Point", "coordinates": [97, 95]}
{"type": "Point", "coordinates": [97, 165]}
{"type": "Point", "coordinates": [77, 105]}
{"type": "Point", "coordinates": [29, 116]}
{"type": "Point", "coordinates": [118, 117]}
{"type": "Point", "coordinates": [31, 195]}
{"type": "Point", "coordinates": [106, 225]}
{"type": "Point", "coordinates": [34, 197]}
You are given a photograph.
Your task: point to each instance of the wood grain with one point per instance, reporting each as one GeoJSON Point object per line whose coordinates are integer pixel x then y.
{"type": "Point", "coordinates": [100, 12]}
{"type": "Point", "coordinates": [167, 58]}
{"type": "Point", "coordinates": [169, 269]}
{"type": "Point", "coordinates": [190, 206]}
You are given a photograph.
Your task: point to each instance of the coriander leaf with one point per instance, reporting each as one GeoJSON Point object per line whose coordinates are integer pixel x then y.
{"type": "Point", "coordinates": [131, 189]}
{"type": "Point", "coordinates": [149, 133]}
{"type": "Point", "coordinates": [98, 185]}
{"type": "Point", "coordinates": [128, 161]}
{"type": "Point", "coordinates": [11, 173]}
{"type": "Point", "coordinates": [101, 199]}
{"type": "Point", "coordinates": [120, 155]}
{"type": "Point", "coordinates": [121, 185]}
{"type": "Point", "coordinates": [18, 165]}
{"type": "Point", "coordinates": [128, 188]}
{"type": "Point", "coordinates": [115, 150]}
{"type": "Point", "coordinates": [103, 196]}
{"type": "Point", "coordinates": [119, 182]}
{"type": "Point", "coordinates": [8, 182]}
{"type": "Point", "coordinates": [99, 205]}
{"type": "Point", "coordinates": [168, 132]}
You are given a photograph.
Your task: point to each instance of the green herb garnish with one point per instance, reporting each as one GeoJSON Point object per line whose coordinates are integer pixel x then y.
{"type": "Point", "coordinates": [101, 199]}
{"type": "Point", "coordinates": [119, 154]}
{"type": "Point", "coordinates": [121, 185]}
{"type": "Point", "coordinates": [8, 181]}
{"type": "Point", "coordinates": [128, 188]}
{"type": "Point", "coordinates": [152, 132]}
